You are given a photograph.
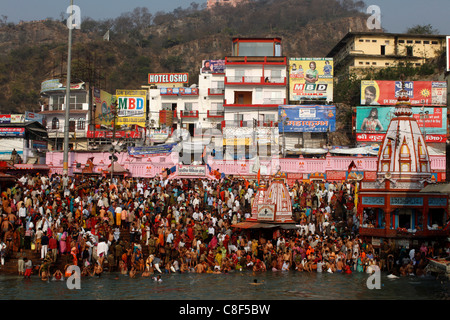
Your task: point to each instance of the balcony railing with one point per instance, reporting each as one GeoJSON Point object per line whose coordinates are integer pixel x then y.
{"type": "Point", "coordinates": [216, 91]}
{"type": "Point", "coordinates": [255, 60]}
{"type": "Point", "coordinates": [215, 114]}
{"type": "Point", "coordinates": [251, 80]}
{"type": "Point", "coordinates": [266, 103]}
{"type": "Point", "coordinates": [189, 114]}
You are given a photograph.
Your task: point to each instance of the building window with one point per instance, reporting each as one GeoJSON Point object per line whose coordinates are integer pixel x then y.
{"type": "Point", "coordinates": [374, 40]}
{"type": "Point", "coordinates": [361, 40]}
{"type": "Point", "coordinates": [386, 63]}
{"type": "Point", "coordinates": [71, 125]}
{"type": "Point", "coordinates": [368, 63]}
{"type": "Point", "coordinates": [401, 41]}
{"type": "Point", "coordinates": [409, 51]}
{"type": "Point", "coordinates": [374, 63]}
{"type": "Point", "coordinates": [434, 42]}
{"type": "Point", "coordinates": [418, 41]}
{"type": "Point", "coordinates": [426, 42]}
{"type": "Point", "coordinates": [81, 125]}
{"type": "Point", "coordinates": [367, 40]}
{"type": "Point", "coordinates": [55, 123]}
{"type": "Point", "coordinates": [409, 41]}
{"type": "Point", "coordinates": [361, 62]}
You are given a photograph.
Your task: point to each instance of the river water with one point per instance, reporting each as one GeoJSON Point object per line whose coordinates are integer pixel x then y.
{"type": "Point", "coordinates": [238, 286]}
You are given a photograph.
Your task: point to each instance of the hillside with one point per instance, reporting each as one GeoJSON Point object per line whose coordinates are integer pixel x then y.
{"type": "Point", "coordinates": [142, 42]}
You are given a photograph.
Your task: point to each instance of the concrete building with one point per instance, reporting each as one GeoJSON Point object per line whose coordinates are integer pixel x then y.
{"type": "Point", "coordinates": [361, 50]}
{"type": "Point", "coordinates": [53, 92]}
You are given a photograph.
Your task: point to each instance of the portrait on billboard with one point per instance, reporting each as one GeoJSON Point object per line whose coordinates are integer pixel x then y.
{"type": "Point", "coordinates": [371, 95]}
{"type": "Point", "coordinates": [371, 123]}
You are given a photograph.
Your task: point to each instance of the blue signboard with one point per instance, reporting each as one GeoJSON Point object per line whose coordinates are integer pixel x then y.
{"type": "Point", "coordinates": [307, 118]}
{"type": "Point", "coordinates": [143, 151]}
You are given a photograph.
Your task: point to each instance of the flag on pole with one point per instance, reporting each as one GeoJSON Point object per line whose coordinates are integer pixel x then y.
{"type": "Point", "coordinates": [351, 166]}
{"type": "Point", "coordinates": [259, 176]}
{"type": "Point", "coordinates": [256, 165]}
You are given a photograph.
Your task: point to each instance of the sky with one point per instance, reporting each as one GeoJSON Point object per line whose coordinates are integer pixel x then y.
{"type": "Point", "coordinates": [396, 15]}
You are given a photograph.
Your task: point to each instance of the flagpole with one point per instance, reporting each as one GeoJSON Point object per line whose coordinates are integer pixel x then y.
{"type": "Point", "coordinates": [67, 114]}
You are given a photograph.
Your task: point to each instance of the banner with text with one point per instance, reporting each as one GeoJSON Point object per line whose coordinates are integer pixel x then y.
{"type": "Point", "coordinates": [305, 118]}
{"type": "Point", "coordinates": [420, 93]}
{"type": "Point", "coordinates": [131, 107]}
{"type": "Point", "coordinates": [372, 122]}
{"type": "Point", "coordinates": [310, 79]}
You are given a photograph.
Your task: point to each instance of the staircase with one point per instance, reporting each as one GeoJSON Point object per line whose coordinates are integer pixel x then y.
{"type": "Point", "coordinates": [11, 262]}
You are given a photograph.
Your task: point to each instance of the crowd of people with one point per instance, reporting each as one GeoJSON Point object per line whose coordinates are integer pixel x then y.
{"type": "Point", "coordinates": [148, 227]}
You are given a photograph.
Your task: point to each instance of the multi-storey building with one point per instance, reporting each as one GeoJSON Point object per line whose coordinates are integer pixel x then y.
{"type": "Point", "coordinates": [53, 92]}
{"type": "Point", "coordinates": [255, 82]}
{"type": "Point", "coordinates": [361, 50]}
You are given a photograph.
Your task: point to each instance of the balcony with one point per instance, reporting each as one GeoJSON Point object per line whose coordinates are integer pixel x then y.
{"type": "Point", "coordinates": [393, 233]}
{"type": "Point", "coordinates": [255, 80]}
{"type": "Point", "coordinates": [215, 114]}
{"type": "Point", "coordinates": [255, 60]}
{"type": "Point", "coordinates": [267, 103]}
{"type": "Point", "coordinates": [189, 114]}
{"type": "Point", "coordinates": [216, 91]}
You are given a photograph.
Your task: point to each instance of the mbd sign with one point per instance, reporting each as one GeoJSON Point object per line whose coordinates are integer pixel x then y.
{"type": "Point", "coordinates": [130, 106]}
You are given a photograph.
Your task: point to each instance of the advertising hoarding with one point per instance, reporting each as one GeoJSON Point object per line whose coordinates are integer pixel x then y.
{"type": "Point", "coordinates": [131, 107]}
{"type": "Point", "coordinates": [306, 118]}
{"type": "Point", "coordinates": [420, 93]}
{"type": "Point", "coordinates": [373, 122]}
{"type": "Point", "coordinates": [311, 79]}
{"type": "Point", "coordinates": [5, 118]}
{"type": "Point", "coordinates": [12, 132]}
{"type": "Point", "coordinates": [103, 111]}
{"type": "Point", "coordinates": [55, 84]}
{"type": "Point", "coordinates": [31, 116]}
{"type": "Point", "coordinates": [213, 66]}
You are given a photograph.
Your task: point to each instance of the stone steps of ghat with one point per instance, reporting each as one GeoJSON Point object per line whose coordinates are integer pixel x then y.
{"type": "Point", "coordinates": [11, 263]}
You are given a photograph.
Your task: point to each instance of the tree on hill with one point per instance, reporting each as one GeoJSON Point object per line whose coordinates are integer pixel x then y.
{"type": "Point", "coordinates": [422, 29]}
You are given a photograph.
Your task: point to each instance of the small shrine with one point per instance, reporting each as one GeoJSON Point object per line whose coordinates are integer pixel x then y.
{"type": "Point", "coordinates": [271, 207]}
{"type": "Point", "coordinates": [395, 204]}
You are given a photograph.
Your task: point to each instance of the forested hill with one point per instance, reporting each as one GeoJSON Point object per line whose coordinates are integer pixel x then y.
{"type": "Point", "coordinates": [141, 42]}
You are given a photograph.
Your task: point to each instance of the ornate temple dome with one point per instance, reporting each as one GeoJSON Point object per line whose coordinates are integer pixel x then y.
{"type": "Point", "coordinates": [403, 155]}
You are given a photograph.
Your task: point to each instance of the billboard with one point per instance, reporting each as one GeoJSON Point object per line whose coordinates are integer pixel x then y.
{"type": "Point", "coordinates": [55, 84]}
{"type": "Point", "coordinates": [306, 118]}
{"type": "Point", "coordinates": [213, 66]}
{"type": "Point", "coordinates": [5, 118]}
{"type": "Point", "coordinates": [373, 122]}
{"type": "Point", "coordinates": [311, 79]}
{"type": "Point", "coordinates": [12, 132]}
{"type": "Point", "coordinates": [156, 78]}
{"type": "Point", "coordinates": [103, 112]}
{"type": "Point", "coordinates": [31, 116]}
{"type": "Point", "coordinates": [131, 107]}
{"type": "Point", "coordinates": [420, 93]}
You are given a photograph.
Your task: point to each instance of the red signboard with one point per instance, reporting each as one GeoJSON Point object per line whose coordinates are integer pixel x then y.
{"type": "Point", "coordinates": [378, 137]}
{"type": "Point", "coordinates": [168, 78]}
{"type": "Point", "coordinates": [420, 93]}
{"type": "Point", "coordinates": [109, 134]}
{"type": "Point", "coordinates": [336, 175]}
